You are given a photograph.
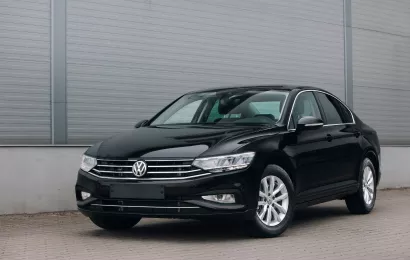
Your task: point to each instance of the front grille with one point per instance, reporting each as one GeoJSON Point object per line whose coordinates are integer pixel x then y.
{"type": "Point", "coordinates": [156, 169]}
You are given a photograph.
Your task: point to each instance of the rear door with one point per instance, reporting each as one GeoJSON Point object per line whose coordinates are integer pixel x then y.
{"type": "Point", "coordinates": [344, 136]}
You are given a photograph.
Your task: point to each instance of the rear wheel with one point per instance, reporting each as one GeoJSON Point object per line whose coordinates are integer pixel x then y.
{"type": "Point", "coordinates": [114, 223]}
{"type": "Point", "coordinates": [275, 206]}
{"type": "Point", "coordinates": [363, 201]}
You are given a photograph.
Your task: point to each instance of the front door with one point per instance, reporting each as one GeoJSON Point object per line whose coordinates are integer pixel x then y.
{"type": "Point", "coordinates": [309, 149]}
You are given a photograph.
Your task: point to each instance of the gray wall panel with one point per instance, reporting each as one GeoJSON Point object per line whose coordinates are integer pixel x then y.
{"type": "Point", "coordinates": [381, 67]}
{"type": "Point", "coordinates": [391, 17]}
{"type": "Point", "coordinates": [25, 72]}
{"type": "Point", "coordinates": [127, 59]}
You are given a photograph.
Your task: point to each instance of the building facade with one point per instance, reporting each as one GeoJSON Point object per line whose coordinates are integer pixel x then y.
{"type": "Point", "coordinates": [73, 72]}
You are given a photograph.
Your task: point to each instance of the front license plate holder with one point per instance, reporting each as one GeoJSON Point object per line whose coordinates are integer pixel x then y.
{"type": "Point", "coordinates": [136, 191]}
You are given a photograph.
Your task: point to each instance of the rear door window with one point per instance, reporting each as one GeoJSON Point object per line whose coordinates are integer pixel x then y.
{"type": "Point", "coordinates": [335, 112]}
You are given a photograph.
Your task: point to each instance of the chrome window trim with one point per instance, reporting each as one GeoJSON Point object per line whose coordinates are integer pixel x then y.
{"type": "Point", "coordinates": [323, 92]}
{"type": "Point", "coordinates": [315, 124]}
{"type": "Point", "coordinates": [339, 124]}
{"type": "Point", "coordinates": [150, 179]}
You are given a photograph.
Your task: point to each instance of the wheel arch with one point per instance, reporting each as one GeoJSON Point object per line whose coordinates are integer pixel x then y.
{"type": "Point", "coordinates": [372, 155]}
{"type": "Point", "coordinates": [286, 163]}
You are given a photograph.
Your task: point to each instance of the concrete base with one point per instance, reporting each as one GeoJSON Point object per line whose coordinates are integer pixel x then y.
{"type": "Point", "coordinates": [41, 179]}
{"type": "Point", "coordinates": [38, 179]}
{"type": "Point", "coordinates": [395, 173]}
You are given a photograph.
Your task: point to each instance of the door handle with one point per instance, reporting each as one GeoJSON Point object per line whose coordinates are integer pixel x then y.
{"type": "Point", "coordinates": [329, 137]}
{"type": "Point", "coordinates": [357, 133]}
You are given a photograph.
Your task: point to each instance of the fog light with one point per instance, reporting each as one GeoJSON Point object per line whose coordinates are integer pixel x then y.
{"type": "Point", "coordinates": [220, 198]}
{"type": "Point", "coordinates": [85, 195]}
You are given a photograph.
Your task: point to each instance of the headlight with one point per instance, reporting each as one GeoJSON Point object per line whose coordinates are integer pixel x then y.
{"type": "Point", "coordinates": [225, 163]}
{"type": "Point", "coordinates": [87, 163]}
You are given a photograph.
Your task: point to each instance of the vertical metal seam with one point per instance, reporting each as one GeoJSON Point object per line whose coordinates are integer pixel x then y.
{"type": "Point", "coordinates": [65, 73]}
{"type": "Point", "coordinates": [58, 72]}
{"type": "Point", "coordinates": [51, 76]}
{"type": "Point", "coordinates": [348, 49]}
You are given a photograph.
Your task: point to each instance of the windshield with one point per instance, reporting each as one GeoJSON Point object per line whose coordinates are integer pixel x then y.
{"type": "Point", "coordinates": [240, 106]}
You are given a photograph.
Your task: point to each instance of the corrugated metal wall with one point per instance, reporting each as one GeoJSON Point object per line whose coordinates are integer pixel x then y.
{"type": "Point", "coordinates": [127, 59]}
{"type": "Point", "coordinates": [381, 67]}
{"type": "Point", "coordinates": [25, 72]}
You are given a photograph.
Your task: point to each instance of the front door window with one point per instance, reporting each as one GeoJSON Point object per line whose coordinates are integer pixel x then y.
{"type": "Point", "coordinates": [305, 105]}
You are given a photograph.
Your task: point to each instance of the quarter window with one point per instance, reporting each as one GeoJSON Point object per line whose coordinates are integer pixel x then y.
{"type": "Point", "coordinates": [335, 112]}
{"type": "Point", "coordinates": [305, 105]}
{"type": "Point", "coordinates": [344, 111]}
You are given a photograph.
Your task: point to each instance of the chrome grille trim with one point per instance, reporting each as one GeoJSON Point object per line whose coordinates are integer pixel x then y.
{"type": "Point", "coordinates": [148, 160]}
{"type": "Point", "coordinates": [175, 172]}
{"type": "Point", "coordinates": [161, 169]}
{"type": "Point", "coordinates": [159, 160]}
{"type": "Point", "coordinates": [169, 166]}
{"type": "Point", "coordinates": [130, 172]}
{"type": "Point", "coordinates": [119, 166]}
{"type": "Point", "coordinates": [150, 179]}
{"type": "Point", "coordinates": [155, 207]}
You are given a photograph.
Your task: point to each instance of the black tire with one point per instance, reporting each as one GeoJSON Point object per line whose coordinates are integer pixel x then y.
{"type": "Point", "coordinates": [114, 223]}
{"type": "Point", "coordinates": [356, 202]}
{"type": "Point", "coordinates": [259, 229]}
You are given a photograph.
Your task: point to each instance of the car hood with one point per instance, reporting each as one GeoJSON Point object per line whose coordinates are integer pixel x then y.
{"type": "Point", "coordinates": [166, 141]}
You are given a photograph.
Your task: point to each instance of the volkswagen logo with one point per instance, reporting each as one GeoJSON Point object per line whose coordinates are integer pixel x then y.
{"type": "Point", "coordinates": [139, 168]}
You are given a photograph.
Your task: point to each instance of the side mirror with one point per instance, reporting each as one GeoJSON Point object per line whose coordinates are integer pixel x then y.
{"type": "Point", "coordinates": [141, 123]}
{"type": "Point", "coordinates": [309, 123]}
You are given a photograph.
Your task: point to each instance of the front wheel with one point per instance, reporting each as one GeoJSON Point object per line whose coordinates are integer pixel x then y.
{"type": "Point", "coordinates": [114, 223]}
{"type": "Point", "coordinates": [275, 206]}
{"type": "Point", "coordinates": [362, 202]}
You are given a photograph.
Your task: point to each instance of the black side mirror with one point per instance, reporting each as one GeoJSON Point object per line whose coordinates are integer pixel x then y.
{"type": "Point", "coordinates": [141, 123]}
{"type": "Point", "coordinates": [309, 123]}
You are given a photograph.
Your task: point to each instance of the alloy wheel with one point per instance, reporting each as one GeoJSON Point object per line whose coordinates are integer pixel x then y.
{"type": "Point", "coordinates": [368, 185]}
{"type": "Point", "coordinates": [273, 202]}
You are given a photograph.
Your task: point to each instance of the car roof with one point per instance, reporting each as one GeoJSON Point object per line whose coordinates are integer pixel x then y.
{"type": "Point", "coordinates": [260, 87]}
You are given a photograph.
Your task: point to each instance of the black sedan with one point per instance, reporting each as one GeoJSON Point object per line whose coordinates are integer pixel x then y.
{"type": "Point", "coordinates": [253, 154]}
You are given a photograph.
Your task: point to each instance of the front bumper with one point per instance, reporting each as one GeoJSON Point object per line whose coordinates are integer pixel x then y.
{"type": "Point", "coordinates": [179, 198]}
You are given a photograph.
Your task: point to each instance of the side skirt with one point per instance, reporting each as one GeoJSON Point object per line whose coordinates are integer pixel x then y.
{"type": "Point", "coordinates": [326, 193]}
